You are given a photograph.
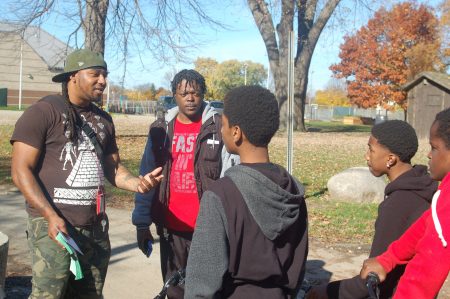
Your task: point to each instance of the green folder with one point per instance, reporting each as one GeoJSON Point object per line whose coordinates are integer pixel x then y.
{"type": "Point", "coordinates": [75, 266]}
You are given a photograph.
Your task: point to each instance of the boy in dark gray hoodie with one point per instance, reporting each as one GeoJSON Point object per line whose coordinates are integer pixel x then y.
{"type": "Point", "coordinates": [251, 237]}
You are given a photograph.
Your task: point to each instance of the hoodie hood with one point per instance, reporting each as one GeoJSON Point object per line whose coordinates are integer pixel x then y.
{"type": "Point", "coordinates": [208, 112]}
{"type": "Point", "coordinates": [273, 198]}
{"type": "Point", "coordinates": [415, 180]}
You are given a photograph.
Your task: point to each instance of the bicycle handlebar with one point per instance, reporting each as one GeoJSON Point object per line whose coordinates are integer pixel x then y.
{"type": "Point", "coordinates": [175, 280]}
{"type": "Point", "coordinates": [372, 282]}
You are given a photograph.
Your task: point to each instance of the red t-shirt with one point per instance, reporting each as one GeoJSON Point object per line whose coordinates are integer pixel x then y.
{"type": "Point", "coordinates": [183, 202]}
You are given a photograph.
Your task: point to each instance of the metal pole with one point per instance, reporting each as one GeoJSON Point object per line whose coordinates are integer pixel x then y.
{"type": "Point", "coordinates": [290, 104]}
{"type": "Point", "coordinates": [310, 90]}
{"type": "Point", "coordinates": [245, 73]}
{"type": "Point", "coordinates": [20, 75]}
{"type": "Point", "coordinates": [107, 97]}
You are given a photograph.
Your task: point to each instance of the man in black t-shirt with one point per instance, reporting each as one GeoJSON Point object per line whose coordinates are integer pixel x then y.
{"type": "Point", "coordinates": [63, 148]}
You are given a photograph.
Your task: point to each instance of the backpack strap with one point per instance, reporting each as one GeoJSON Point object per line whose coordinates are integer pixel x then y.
{"type": "Point", "coordinates": [58, 101]}
{"type": "Point", "coordinates": [92, 137]}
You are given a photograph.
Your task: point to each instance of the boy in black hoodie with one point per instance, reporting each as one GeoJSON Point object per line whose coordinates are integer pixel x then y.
{"type": "Point", "coordinates": [391, 147]}
{"type": "Point", "coordinates": [251, 236]}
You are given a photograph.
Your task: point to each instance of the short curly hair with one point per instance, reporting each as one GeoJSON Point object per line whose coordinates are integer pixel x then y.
{"type": "Point", "coordinates": [255, 110]}
{"type": "Point", "coordinates": [397, 136]}
{"type": "Point", "coordinates": [443, 129]}
{"type": "Point", "coordinates": [192, 77]}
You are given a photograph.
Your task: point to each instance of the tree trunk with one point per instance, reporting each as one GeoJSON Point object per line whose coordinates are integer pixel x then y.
{"type": "Point", "coordinates": [308, 34]}
{"type": "Point", "coordinates": [309, 29]}
{"type": "Point", "coordinates": [300, 88]}
{"type": "Point", "coordinates": [283, 28]}
{"type": "Point", "coordinates": [94, 25]}
{"type": "Point", "coordinates": [277, 51]}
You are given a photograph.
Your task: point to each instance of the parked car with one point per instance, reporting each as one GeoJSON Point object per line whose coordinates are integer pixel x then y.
{"type": "Point", "coordinates": [163, 105]}
{"type": "Point", "coordinates": [218, 106]}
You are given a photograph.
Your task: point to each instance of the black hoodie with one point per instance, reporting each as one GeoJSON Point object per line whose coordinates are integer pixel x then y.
{"type": "Point", "coordinates": [251, 236]}
{"type": "Point", "coordinates": [405, 200]}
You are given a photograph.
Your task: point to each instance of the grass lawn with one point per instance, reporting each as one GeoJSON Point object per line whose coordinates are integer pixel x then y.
{"type": "Point", "coordinates": [325, 126]}
{"type": "Point", "coordinates": [5, 154]}
{"type": "Point", "coordinates": [328, 149]}
{"type": "Point", "coordinates": [14, 108]}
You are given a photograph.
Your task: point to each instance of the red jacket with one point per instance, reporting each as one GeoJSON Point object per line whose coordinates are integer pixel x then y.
{"type": "Point", "coordinates": [424, 248]}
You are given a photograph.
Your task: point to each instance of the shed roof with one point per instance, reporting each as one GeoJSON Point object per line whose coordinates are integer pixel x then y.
{"type": "Point", "coordinates": [440, 79]}
{"type": "Point", "coordinates": [51, 50]}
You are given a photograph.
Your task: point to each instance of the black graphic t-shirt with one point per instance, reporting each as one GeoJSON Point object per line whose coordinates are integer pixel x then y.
{"type": "Point", "coordinates": [70, 173]}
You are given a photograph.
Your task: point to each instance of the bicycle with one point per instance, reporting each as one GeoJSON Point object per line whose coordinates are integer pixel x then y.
{"type": "Point", "coordinates": [176, 279]}
{"type": "Point", "coordinates": [372, 283]}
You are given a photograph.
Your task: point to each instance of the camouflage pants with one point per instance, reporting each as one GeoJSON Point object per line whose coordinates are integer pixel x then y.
{"type": "Point", "coordinates": [50, 263]}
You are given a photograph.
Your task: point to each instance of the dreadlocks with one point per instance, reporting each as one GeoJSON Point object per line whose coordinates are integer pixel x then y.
{"type": "Point", "coordinates": [70, 124]}
{"type": "Point", "coordinates": [192, 77]}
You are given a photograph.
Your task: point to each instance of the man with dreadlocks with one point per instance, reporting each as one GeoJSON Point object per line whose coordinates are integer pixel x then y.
{"type": "Point", "coordinates": [188, 145]}
{"type": "Point", "coordinates": [67, 198]}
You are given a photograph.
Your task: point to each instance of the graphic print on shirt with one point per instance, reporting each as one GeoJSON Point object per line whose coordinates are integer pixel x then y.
{"type": "Point", "coordinates": [69, 149]}
{"type": "Point", "coordinates": [183, 146]}
{"type": "Point", "coordinates": [86, 174]}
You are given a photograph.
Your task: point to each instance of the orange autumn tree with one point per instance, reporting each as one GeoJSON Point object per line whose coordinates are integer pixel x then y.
{"type": "Point", "coordinates": [379, 58]}
{"type": "Point", "coordinates": [444, 23]}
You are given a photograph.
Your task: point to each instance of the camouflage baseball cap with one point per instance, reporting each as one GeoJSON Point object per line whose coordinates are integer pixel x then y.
{"type": "Point", "coordinates": [80, 60]}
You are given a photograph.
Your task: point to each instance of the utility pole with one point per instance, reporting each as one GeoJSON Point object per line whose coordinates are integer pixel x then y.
{"type": "Point", "coordinates": [20, 72]}
{"type": "Point", "coordinates": [290, 105]}
{"type": "Point", "coordinates": [245, 73]}
{"type": "Point", "coordinates": [107, 96]}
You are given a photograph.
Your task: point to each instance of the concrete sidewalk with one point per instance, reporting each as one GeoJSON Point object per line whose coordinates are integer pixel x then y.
{"type": "Point", "coordinates": [130, 273]}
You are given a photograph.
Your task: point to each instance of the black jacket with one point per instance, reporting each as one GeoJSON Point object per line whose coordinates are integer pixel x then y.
{"type": "Point", "coordinates": [406, 198]}
{"type": "Point", "coordinates": [251, 237]}
{"type": "Point", "coordinates": [210, 161]}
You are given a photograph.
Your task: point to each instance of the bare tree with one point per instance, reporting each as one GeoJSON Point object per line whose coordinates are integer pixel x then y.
{"type": "Point", "coordinates": [310, 21]}
{"type": "Point", "coordinates": [164, 29]}
{"type": "Point", "coordinates": [311, 17]}
{"type": "Point", "coordinates": [94, 22]}
{"type": "Point", "coordinates": [336, 84]}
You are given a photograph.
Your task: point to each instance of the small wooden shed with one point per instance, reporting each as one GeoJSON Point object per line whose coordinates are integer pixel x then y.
{"type": "Point", "coordinates": [427, 94]}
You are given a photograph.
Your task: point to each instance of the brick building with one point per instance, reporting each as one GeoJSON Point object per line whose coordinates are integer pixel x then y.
{"type": "Point", "coordinates": [41, 56]}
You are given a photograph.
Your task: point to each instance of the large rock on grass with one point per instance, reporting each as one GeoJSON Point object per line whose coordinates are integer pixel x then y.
{"type": "Point", "coordinates": [356, 184]}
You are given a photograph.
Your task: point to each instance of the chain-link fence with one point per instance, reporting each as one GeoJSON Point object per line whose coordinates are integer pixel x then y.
{"type": "Point", "coordinates": [131, 107]}
{"type": "Point", "coordinates": [329, 113]}
{"type": "Point", "coordinates": [312, 112]}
